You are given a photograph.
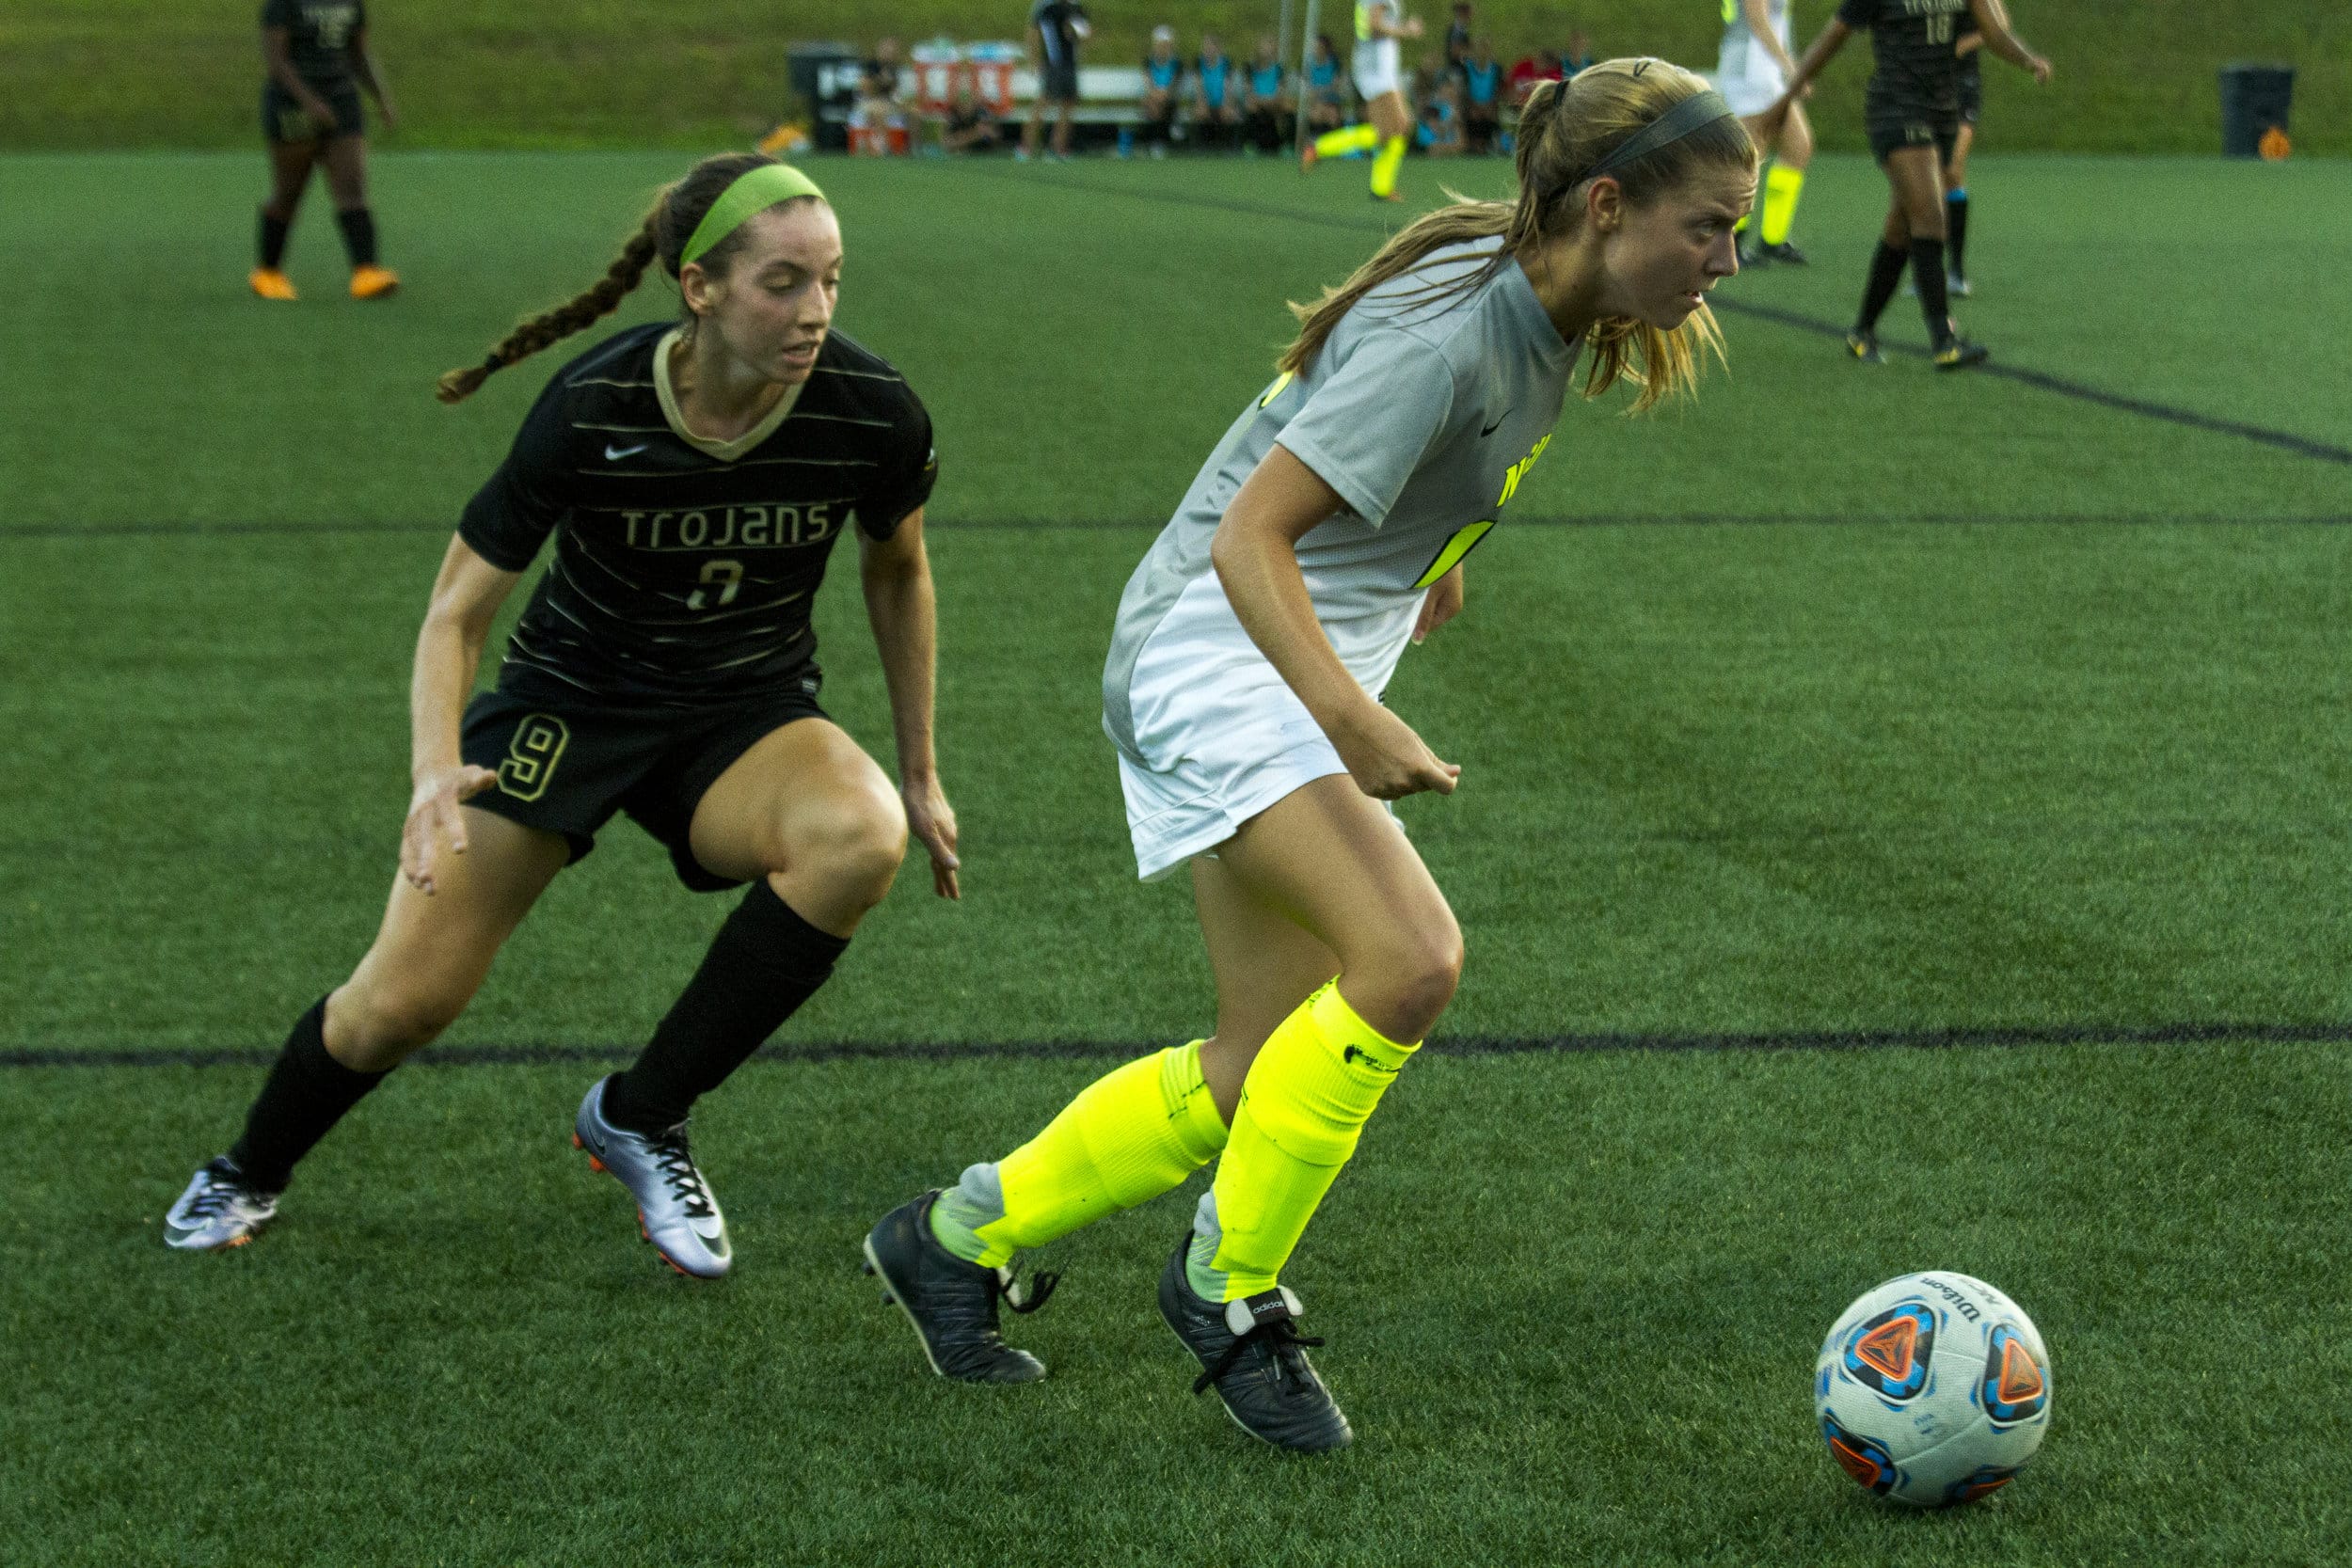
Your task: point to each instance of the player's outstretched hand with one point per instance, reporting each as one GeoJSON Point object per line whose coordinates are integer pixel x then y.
{"type": "Point", "coordinates": [433, 816]}
{"type": "Point", "coordinates": [2041, 68]}
{"type": "Point", "coordinates": [932, 821]}
{"type": "Point", "coordinates": [1442, 603]}
{"type": "Point", "coordinates": [1387, 760]}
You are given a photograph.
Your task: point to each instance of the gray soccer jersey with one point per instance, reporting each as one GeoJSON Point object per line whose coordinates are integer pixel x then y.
{"type": "Point", "coordinates": [1424, 415]}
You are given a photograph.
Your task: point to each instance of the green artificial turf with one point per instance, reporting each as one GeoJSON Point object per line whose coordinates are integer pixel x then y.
{"type": "Point", "coordinates": [1844, 702]}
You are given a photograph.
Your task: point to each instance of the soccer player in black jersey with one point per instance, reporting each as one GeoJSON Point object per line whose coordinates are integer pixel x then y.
{"type": "Point", "coordinates": [694, 478]}
{"type": "Point", "coordinates": [1969, 49]}
{"type": "Point", "coordinates": [316, 53]}
{"type": "Point", "coordinates": [1912, 111]}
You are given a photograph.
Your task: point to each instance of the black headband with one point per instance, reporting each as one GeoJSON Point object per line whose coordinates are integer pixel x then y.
{"type": "Point", "coordinates": [1700, 109]}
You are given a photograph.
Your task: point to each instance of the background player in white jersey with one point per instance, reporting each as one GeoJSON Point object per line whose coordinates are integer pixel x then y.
{"type": "Point", "coordinates": [1325, 533]}
{"type": "Point", "coordinates": [1380, 82]}
{"type": "Point", "coordinates": [1752, 71]}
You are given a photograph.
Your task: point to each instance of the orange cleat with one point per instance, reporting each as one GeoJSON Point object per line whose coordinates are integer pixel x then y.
{"type": "Point", "coordinates": [373, 282]}
{"type": "Point", "coordinates": [1307, 157]}
{"type": "Point", "coordinates": [272, 284]}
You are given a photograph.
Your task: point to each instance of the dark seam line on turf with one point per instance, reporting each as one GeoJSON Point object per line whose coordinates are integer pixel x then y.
{"type": "Point", "coordinates": [1470, 1045]}
{"type": "Point", "coordinates": [1106, 525]}
{"type": "Point", "coordinates": [2285, 441]}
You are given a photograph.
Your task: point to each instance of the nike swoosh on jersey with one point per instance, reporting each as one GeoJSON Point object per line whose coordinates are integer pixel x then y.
{"type": "Point", "coordinates": [1497, 426]}
{"type": "Point", "coordinates": [613, 453]}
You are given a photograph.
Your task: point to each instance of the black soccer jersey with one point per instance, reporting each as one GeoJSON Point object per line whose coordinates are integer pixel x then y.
{"type": "Point", "coordinates": [1060, 25]}
{"type": "Point", "coordinates": [683, 570]}
{"type": "Point", "coordinates": [1911, 43]}
{"type": "Point", "coordinates": [318, 36]}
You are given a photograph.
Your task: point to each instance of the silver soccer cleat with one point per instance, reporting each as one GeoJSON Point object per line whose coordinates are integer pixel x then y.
{"type": "Point", "coordinates": [217, 1210]}
{"type": "Point", "coordinates": [675, 1209]}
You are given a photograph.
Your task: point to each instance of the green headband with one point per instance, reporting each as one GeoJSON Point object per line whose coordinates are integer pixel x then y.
{"type": "Point", "coordinates": [754, 191]}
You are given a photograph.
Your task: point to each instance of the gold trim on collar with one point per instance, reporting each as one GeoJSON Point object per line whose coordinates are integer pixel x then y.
{"type": "Point", "coordinates": [725, 452]}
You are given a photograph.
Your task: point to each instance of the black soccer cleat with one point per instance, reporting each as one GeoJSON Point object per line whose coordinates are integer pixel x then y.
{"type": "Point", "coordinates": [1785, 254]}
{"type": "Point", "coordinates": [952, 1304]}
{"type": "Point", "coordinates": [1251, 1351]}
{"type": "Point", "coordinates": [1957, 353]}
{"type": "Point", "coordinates": [1865, 347]}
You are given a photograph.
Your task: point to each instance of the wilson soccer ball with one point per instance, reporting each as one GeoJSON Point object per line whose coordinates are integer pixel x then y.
{"type": "Point", "coordinates": [1932, 1390]}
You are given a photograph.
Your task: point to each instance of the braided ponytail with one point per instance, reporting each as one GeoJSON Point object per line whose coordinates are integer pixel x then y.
{"type": "Point", "coordinates": [536, 332]}
{"type": "Point", "coordinates": [661, 237]}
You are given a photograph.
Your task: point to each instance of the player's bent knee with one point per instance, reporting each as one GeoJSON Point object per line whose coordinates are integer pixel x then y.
{"type": "Point", "coordinates": [386, 1025]}
{"type": "Point", "coordinates": [857, 848]}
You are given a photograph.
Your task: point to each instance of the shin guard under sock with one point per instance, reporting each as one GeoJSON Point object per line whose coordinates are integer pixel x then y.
{"type": "Point", "coordinates": [1926, 271]}
{"type": "Point", "coordinates": [765, 961]}
{"type": "Point", "coordinates": [1886, 271]}
{"type": "Point", "coordinates": [1128, 1137]}
{"type": "Point", "coordinates": [358, 227]}
{"type": "Point", "coordinates": [1303, 1107]}
{"type": "Point", "coordinates": [305, 1095]}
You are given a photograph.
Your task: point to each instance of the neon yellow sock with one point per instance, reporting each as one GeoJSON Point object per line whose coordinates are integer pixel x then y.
{"type": "Point", "coordinates": [1303, 1107]}
{"type": "Point", "coordinates": [1346, 139]}
{"type": "Point", "coordinates": [1383, 165]}
{"type": "Point", "coordinates": [1130, 1135]}
{"type": "Point", "coordinates": [1781, 185]}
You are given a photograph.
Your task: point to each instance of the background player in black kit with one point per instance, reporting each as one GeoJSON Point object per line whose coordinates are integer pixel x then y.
{"type": "Point", "coordinates": [694, 478]}
{"type": "Point", "coordinates": [1912, 111]}
{"type": "Point", "coordinates": [316, 52]}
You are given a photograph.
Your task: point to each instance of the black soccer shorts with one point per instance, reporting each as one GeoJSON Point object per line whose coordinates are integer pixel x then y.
{"type": "Point", "coordinates": [1894, 126]}
{"type": "Point", "coordinates": [284, 120]}
{"type": "Point", "coordinates": [567, 767]}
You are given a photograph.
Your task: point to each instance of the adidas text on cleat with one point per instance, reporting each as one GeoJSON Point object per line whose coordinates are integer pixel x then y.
{"type": "Point", "coordinates": [270, 283]}
{"type": "Point", "coordinates": [952, 1304]}
{"type": "Point", "coordinates": [218, 1210]}
{"type": "Point", "coordinates": [373, 282]}
{"type": "Point", "coordinates": [1865, 347]}
{"type": "Point", "coordinates": [1957, 353]}
{"type": "Point", "coordinates": [1251, 1351]}
{"type": "Point", "coordinates": [675, 1209]}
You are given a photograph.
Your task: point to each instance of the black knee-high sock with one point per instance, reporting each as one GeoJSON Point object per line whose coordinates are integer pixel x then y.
{"type": "Point", "coordinates": [1927, 271]}
{"type": "Point", "coordinates": [765, 961]}
{"type": "Point", "coordinates": [358, 227]}
{"type": "Point", "coordinates": [305, 1093]}
{"type": "Point", "coordinates": [273, 241]}
{"type": "Point", "coordinates": [1956, 230]}
{"type": "Point", "coordinates": [1886, 271]}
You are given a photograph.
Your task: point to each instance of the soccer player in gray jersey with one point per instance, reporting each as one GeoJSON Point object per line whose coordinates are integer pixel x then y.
{"type": "Point", "coordinates": [1326, 533]}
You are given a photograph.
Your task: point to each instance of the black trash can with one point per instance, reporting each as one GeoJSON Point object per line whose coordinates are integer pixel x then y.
{"type": "Point", "coordinates": [825, 76]}
{"type": "Point", "coordinates": [2254, 99]}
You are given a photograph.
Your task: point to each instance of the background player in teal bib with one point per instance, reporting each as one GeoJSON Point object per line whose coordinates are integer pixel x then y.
{"type": "Point", "coordinates": [694, 478]}
{"type": "Point", "coordinates": [317, 58]}
{"type": "Point", "coordinates": [1325, 533]}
